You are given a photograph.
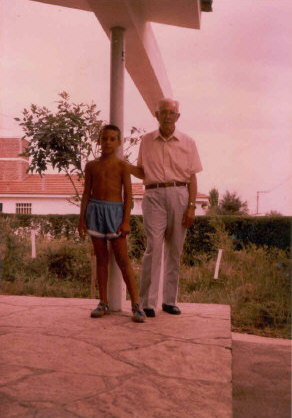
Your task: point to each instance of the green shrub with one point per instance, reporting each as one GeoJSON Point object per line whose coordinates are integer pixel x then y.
{"type": "Point", "coordinates": [255, 282]}
{"type": "Point", "coordinates": [56, 226]}
{"type": "Point", "coordinates": [13, 252]}
{"type": "Point", "coordinates": [261, 231]}
{"type": "Point", "coordinates": [58, 263]}
{"type": "Point", "coordinates": [69, 260]}
{"type": "Point", "coordinates": [137, 238]}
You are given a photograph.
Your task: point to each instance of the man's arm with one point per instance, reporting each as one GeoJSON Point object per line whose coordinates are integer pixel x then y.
{"type": "Point", "coordinates": [189, 214]}
{"type": "Point", "coordinates": [136, 171]}
{"type": "Point", "coordinates": [192, 187]}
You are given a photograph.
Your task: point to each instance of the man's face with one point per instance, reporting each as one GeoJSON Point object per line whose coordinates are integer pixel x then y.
{"type": "Point", "coordinates": [167, 116]}
{"type": "Point", "coordinates": [109, 141]}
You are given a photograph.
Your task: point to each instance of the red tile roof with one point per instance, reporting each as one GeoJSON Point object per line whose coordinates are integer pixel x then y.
{"type": "Point", "coordinates": [57, 184]}
{"type": "Point", "coordinates": [50, 184]}
{"type": "Point", "coordinates": [34, 184]}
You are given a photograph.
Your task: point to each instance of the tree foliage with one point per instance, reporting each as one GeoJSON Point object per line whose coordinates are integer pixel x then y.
{"type": "Point", "coordinates": [273, 213]}
{"type": "Point", "coordinates": [65, 140]}
{"type": "Point", "coordinates": [213, 198]}
{"type": "Point", "coordinates": [231, 204]}
{"type": "Point", "coordinates": [213, 202]}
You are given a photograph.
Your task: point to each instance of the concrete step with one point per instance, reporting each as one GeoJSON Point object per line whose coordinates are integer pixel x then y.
{"type": "Point", "coordinates": [59, 362]}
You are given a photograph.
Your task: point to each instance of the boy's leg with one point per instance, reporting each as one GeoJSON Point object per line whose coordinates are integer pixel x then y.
{"type": "Point", "coordinates": [101, 252]}
{"type": "Point", "coordinates": [120, 249]}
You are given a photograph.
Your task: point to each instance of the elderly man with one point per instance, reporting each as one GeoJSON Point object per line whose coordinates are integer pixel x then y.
{"type": "Point", "coordinates": [168, 162]}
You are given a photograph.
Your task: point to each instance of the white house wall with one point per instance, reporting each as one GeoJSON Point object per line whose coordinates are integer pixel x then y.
{"type": "Point", "coordinates": [40, 206]}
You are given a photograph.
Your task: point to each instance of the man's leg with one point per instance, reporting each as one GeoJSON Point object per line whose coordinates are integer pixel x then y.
{"type": "Point", "coordinates": [155, 221]}
{"type": "Point", "coordinates": [177, 201]}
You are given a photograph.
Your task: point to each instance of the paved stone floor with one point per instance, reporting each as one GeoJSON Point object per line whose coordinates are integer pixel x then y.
{"type": "Point", "coordinates": [58, 362]}
{"type": "Point", "coordinates": [261, 377]}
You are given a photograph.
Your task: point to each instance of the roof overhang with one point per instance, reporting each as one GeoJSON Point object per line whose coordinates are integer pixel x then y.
{"type": "Point", "coordinates": [143, 58]}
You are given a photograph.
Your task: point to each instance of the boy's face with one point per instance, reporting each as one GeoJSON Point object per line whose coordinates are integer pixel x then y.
{"type": "Point", "coordinates": [109, 141]}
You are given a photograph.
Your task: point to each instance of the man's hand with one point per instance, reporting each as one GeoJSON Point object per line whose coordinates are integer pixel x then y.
{"type": "Point", "coordinates": [136, 171]}
{"type": "Point", "coordinates": [188, 217]}
{"type": "Point", "coordinates": [124, 229]}
{"type": "Point", "coordinates": [82, 229]}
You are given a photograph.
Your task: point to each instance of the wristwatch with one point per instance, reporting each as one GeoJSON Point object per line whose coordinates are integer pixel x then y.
{"type": "Point", "coordinates": [192, 205]}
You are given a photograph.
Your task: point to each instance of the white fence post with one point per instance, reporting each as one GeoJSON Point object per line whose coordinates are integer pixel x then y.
{"type": "Point", "coordinates": [33, 247]}
{"type": "Point", "coordinates": [219, 256]}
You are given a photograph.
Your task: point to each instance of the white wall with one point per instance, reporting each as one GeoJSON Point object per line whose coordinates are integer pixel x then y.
{"type": "Point", "coordinates": [40, 206]}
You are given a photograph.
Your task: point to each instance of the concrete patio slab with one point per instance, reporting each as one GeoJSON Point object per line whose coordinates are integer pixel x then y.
{"type": "Point", "coordinates": [261, 377]}
{"type": "Point", "coordinates": [56, 361]}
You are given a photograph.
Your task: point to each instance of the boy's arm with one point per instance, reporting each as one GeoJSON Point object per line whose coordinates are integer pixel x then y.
{"type": "Point", "coordinates": [189, 214]}
{"type": "Point", "coordinates": [127, 199]}
{"type": "Point", "coordinates": [84, 201]}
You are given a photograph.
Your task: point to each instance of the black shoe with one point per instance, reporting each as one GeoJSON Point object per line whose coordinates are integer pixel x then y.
{"type": "Point", "coordinates": [149, 312]}
{"type": "Point", "coordinates": [172, 309]}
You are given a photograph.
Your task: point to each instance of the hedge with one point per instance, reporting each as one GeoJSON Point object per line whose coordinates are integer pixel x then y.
{"type": "Point", "coordinates": [261, 231]}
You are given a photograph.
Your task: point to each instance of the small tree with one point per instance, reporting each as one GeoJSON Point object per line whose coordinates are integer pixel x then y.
{"type": "Point", "coordinates": [231, 204]}
{"type": "Point", "coordinates": [66, 139]}
{"type": "Point", "coordinates": [273, 213]}
{"type": "Point", "coordinates": [213, 202]}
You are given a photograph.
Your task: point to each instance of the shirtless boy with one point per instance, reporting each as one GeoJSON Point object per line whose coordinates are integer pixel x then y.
{"type": "Point", "coordinates": [105, 215]}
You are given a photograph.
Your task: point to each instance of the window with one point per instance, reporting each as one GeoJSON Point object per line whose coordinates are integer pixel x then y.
{"type": "Point", "coordinates": [23, 207]}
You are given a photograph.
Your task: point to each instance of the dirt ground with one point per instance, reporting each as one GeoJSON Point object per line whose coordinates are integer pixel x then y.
{"type": "Point", "coordinates": [261, 377]}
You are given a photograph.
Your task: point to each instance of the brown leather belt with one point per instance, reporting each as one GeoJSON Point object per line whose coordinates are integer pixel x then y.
{"type": "Point", "coordinates": [169, 184]}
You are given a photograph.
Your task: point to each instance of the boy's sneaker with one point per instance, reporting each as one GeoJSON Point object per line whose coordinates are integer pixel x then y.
{"type": "Point", "coordinates": [100, 311]}
{"type": "Point", "coordinates": [138, 314]}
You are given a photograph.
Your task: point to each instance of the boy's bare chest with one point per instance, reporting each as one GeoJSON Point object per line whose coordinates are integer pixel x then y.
{"type": "Point", "coordinates": [107, 172]}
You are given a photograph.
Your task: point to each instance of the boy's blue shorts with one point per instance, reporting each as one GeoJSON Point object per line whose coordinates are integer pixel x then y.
{"type": "Point", "coordinates": [103, 218]}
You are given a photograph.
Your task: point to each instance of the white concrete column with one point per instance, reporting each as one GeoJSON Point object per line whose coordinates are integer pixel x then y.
{"type": "Point", "coordinates": [116, 286]}
{"type": "Point", "coordinates": [117, 76]}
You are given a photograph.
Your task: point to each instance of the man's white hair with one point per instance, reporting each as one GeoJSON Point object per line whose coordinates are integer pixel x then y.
{"type": "Point", "coordinates": [167, 100]}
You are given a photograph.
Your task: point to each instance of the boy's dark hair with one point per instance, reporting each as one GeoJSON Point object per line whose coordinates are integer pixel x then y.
{"type": "Point", "coordinates": [112, 128]}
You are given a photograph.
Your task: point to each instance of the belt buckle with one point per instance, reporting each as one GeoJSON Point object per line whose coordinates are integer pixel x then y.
{"type": "Point", "coordinates": [157, 185]}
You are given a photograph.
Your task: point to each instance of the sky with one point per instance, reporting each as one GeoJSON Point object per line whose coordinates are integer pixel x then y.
{"type": "Point", "coordinates": [232, 77]}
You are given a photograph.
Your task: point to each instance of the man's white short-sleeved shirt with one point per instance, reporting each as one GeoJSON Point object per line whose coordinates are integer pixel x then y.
{"type": "Point", "coordinates": [175, 159]}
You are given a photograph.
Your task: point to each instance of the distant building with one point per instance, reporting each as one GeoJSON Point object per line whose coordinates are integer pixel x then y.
{"type": "Point", "coordinates": [51, 194]}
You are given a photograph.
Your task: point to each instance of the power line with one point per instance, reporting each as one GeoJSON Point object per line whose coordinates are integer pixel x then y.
{"type": "Point", "coordinates": [269, 191]}
{"type": "Point", "coordinates": [278, 185]}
